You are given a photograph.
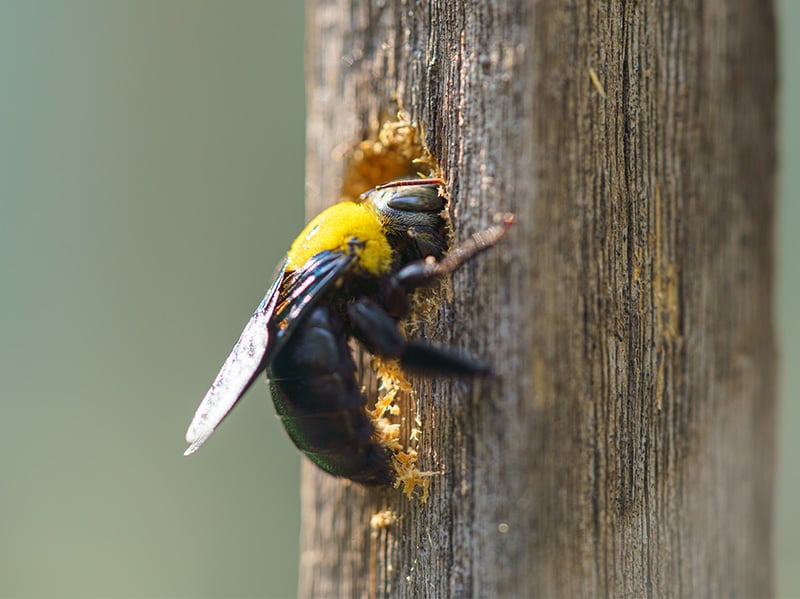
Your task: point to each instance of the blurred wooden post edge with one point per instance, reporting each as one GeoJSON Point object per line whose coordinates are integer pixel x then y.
{"type": "Point", "coordinates": [627, 446]}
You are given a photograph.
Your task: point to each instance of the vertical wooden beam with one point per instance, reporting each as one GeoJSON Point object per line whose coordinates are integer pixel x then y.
{"type": "Point", "coordinates": [627, 446]}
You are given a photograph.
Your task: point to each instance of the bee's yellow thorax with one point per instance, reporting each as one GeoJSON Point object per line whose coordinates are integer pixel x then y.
{"type": "Point", "coordinates": [333, 230]}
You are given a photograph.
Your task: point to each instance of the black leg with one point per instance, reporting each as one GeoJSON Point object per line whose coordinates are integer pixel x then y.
{"type": "Point", "coordinates": [423, 358]}
{"type": "Point", "coordinates": [374, 328]}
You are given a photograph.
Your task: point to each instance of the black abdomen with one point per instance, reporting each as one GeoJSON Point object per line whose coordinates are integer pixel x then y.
{"type": "Point", "coordinates": [313, 382]}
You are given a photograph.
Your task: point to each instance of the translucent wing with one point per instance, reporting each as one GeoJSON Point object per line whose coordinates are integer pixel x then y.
{"type": "Point", "coordinates": [283, 307]}
{"type": "Point", "coordinates": [301, 289]}
{"type": "Point", "coordinates": [243, 365]}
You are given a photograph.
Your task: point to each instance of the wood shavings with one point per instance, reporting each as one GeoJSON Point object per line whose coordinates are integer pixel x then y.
{"type": "Point", "coordinates": [382, 519]}
{"type": "Point", "coordinates": [395, 151]}
{"type": "Point", "coordinates": [596, 82]}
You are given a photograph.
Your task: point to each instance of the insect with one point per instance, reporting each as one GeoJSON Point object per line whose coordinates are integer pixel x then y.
{"type": "Point", "coordinates": [347, 275]}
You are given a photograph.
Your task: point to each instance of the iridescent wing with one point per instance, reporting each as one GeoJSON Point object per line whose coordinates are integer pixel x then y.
{"type": "Point", "coordinates": [240, 369]}
{"type": "Point", "coordinates": [289, 298]}
{"type": "Point", "coordinates": [302, 288]}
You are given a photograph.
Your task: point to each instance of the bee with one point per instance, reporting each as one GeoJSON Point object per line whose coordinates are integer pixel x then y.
{"type": "Point", "coordinates": [347, 275]}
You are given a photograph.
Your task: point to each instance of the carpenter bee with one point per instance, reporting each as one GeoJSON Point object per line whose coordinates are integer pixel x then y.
{"type": "Point", "coordinates": [347, 275]}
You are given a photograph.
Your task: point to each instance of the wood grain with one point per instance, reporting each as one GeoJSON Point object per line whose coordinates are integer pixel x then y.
{"type": "Point", "coordinates": [627, 447]}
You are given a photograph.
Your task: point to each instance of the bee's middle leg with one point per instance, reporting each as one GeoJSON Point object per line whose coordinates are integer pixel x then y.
{"type": "Point", "coordinates": [377, 331]}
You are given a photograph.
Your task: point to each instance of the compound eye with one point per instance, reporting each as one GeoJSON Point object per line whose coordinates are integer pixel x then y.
{"type": "Point", "coordinates": [419, 198]}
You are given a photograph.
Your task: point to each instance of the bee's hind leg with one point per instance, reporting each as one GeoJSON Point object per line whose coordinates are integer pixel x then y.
{"type": "Point", "coordinates": [374, 328]}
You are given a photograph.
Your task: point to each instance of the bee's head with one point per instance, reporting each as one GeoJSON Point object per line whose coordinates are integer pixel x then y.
{"type": "Point", "coordinates": [412, 216]}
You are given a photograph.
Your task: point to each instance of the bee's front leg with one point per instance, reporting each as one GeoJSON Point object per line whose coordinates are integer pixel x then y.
{"type": "Point", "coordinates": [424, 272]}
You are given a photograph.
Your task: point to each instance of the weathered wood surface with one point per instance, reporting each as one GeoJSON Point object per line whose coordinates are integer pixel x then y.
{"type": "Point", "coordinates": [627, 447]}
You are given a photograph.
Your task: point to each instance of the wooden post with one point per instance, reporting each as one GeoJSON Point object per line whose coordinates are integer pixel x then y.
{"type": "Point", "coordinates": [627, 447]}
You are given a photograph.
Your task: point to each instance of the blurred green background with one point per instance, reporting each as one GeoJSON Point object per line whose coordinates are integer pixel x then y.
{"type": "Point", "coordinates": [151, 175]}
